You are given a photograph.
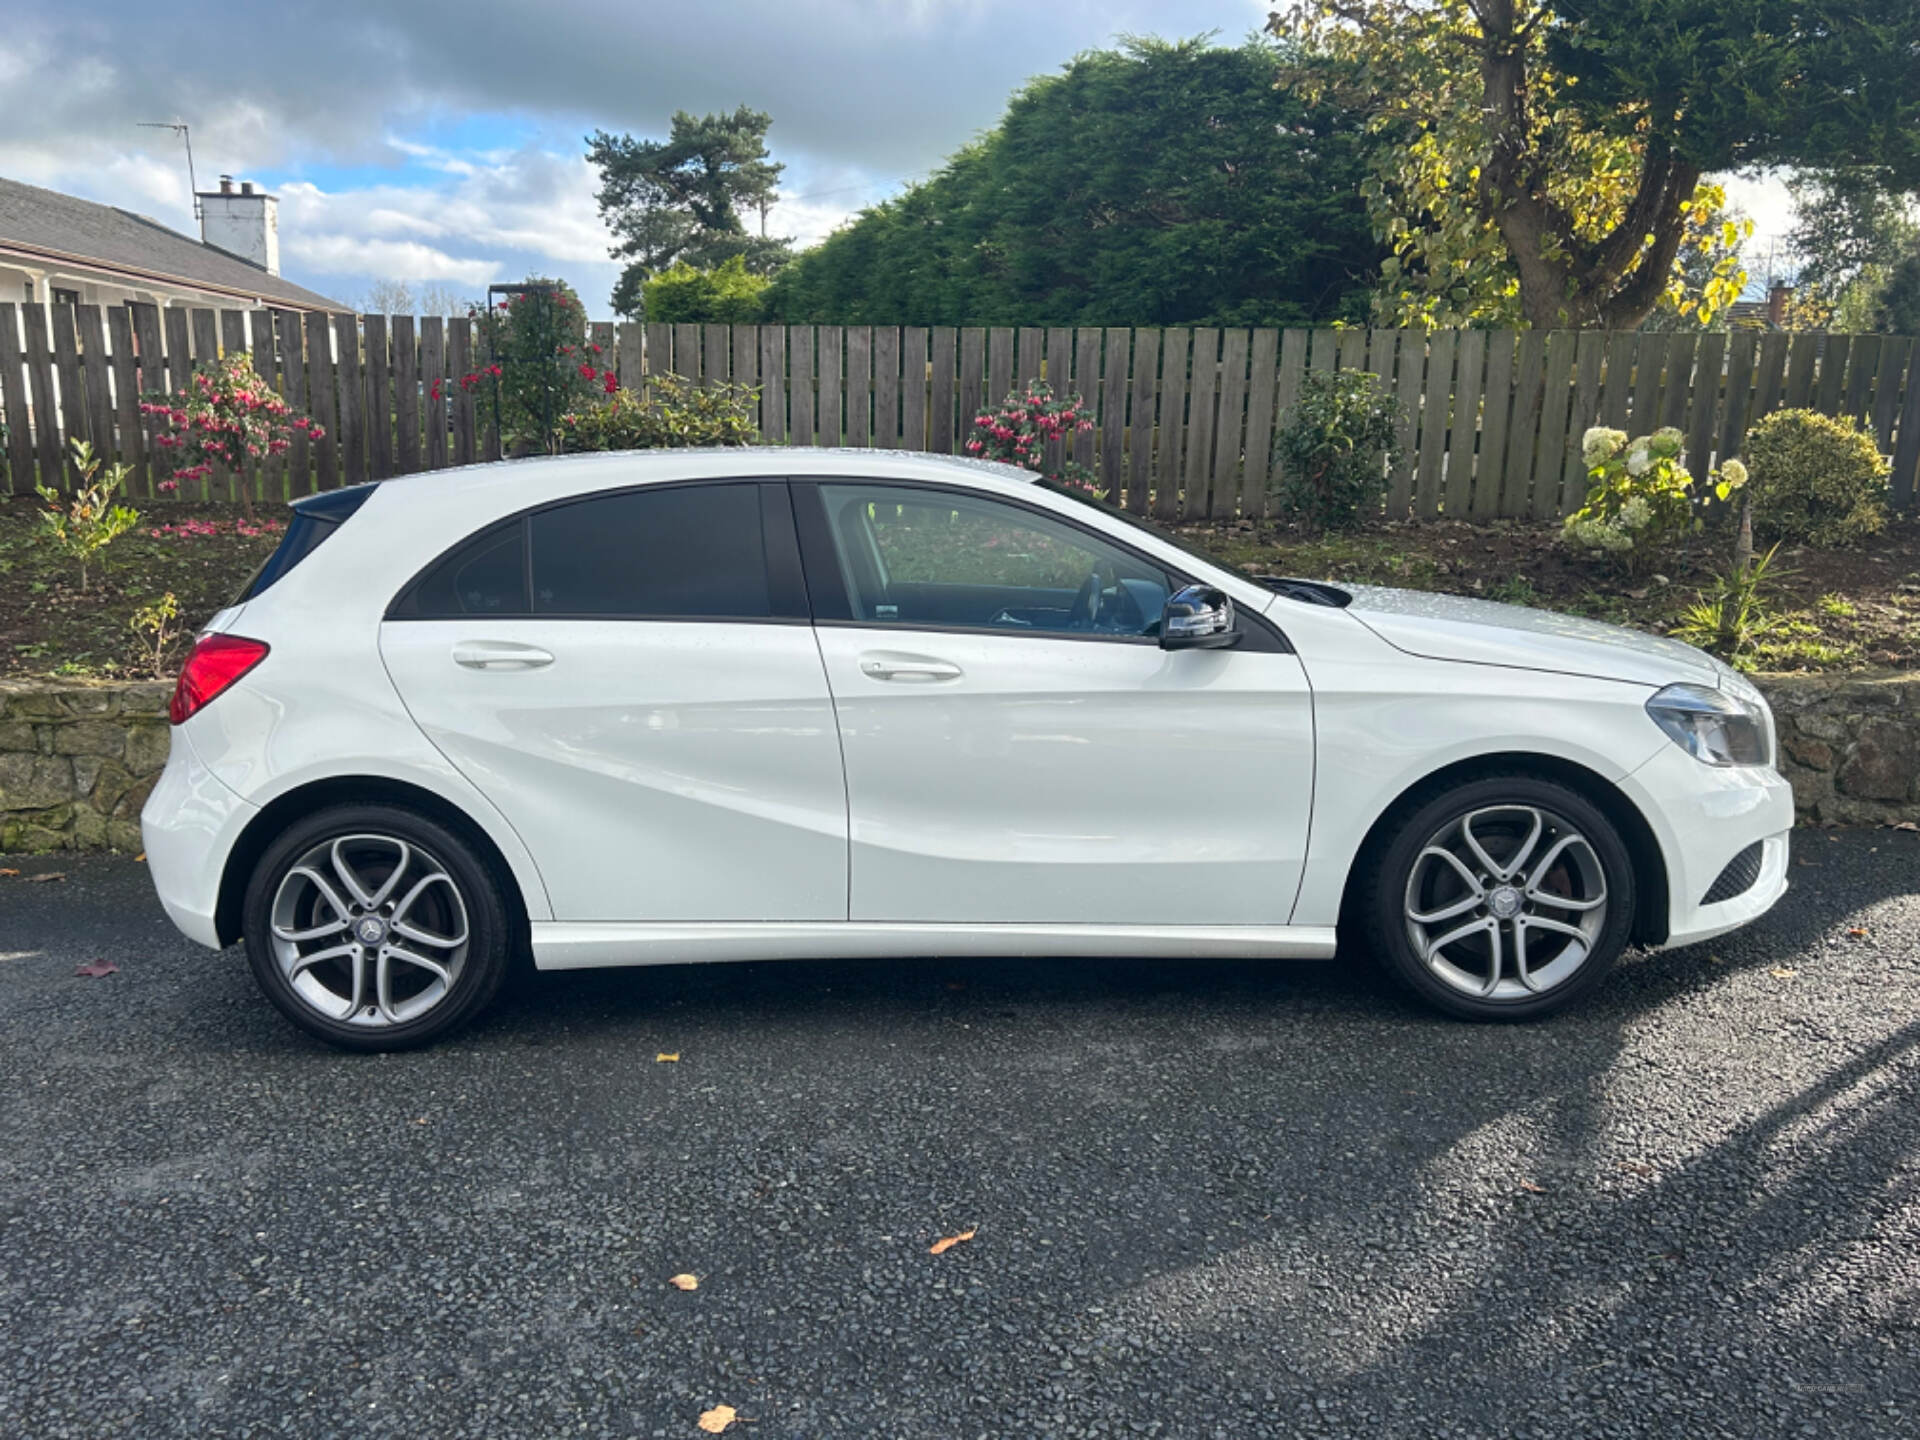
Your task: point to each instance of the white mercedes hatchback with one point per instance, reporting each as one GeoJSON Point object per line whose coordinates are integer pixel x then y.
{"type": "Point", "coordinates": [789, 703]}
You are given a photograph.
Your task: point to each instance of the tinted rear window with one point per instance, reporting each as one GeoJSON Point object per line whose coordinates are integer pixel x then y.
{"type": "Point", "coordinates": [485, 576]}
{"type": "Point", "coordinates": [688, 551]}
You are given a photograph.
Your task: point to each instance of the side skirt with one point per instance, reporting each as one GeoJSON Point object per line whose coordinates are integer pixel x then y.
{"type": "Point", "coordinates": [565, 945]}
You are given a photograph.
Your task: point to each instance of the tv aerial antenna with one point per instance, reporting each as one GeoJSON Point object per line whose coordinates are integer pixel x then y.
{"type": "Point", "coordinates": [180, 128]}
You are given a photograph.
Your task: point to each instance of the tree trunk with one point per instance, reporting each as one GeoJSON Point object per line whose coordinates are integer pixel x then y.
{"type": "Point", "coordinates": [1614, 282]}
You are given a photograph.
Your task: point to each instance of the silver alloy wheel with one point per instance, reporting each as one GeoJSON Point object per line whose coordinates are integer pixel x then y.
{"type": "Point", "coordinates": [369, 903]}
{"type": "Point", "coordinates": [1506, 902]}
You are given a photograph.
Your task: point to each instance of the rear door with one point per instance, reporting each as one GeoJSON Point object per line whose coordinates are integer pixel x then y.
{"type": "Point", "coordinates": [1019, 749]}
{"type": "Point", "coordinates": [630, 677]}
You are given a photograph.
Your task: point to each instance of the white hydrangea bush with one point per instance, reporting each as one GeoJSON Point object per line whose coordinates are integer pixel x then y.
{"type": "Point", "coordinates": [1642, 500]}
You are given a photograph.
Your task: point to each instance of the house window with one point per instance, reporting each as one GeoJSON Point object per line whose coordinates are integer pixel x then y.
{"type": "Point", "coordinates": [66, 297]}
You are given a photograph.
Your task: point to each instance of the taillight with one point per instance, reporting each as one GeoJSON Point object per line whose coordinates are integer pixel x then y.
{"type": "Point", "coordinates": [216, 662]}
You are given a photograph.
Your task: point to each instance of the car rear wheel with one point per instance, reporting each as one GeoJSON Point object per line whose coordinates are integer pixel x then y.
{"type": "Point", "coordinates": [375, 928]}
{"type": "Point", "coordinates": [1505, 898]}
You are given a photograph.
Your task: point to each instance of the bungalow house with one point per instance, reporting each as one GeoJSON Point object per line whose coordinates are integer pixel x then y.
{"type": "Point", "coordinates": [57, 249]}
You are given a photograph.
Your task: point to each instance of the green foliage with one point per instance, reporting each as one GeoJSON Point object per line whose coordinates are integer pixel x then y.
{"type": "Point", "coordinates": [1817, 480]}
{"type": "Point", "coordinates": [728, 294]}
{"type": "Point", "coordinates": [1155, 184]}
{"type": "Point", "coordinates": [1849, 224]}
{"type": "Point", "coordinates": [683, 199]}
{"type": "Point", "coordinates": [673, 414]}
{"type": "Point", "coordinates": [1735, 614]}
{"type": "Point", "coordinates": [1335, 447]}
{"type": "Point", "coordinates": [534, 347]}
{"type": "Point", "coordinates": [157, 626]}
{"type": "Point", "coordinates": [82, 525]}
{"type": "Point", "coordinates": [1034, 430]}
{"type": "Point", "coordinates": [1897, 307]}
{"type": "Point", "coordinates": [1643, 502]}
{"type": "Point", "coordinates": [1543, 158]}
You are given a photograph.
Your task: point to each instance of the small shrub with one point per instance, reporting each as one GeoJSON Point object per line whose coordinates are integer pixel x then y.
{"type": "Point", "coordinates": [1816, 480]}
{"type": "Point", "coordinates": [1643, 501]}
{"type": "Point", "coordinates": [674, 413]}
{"type": "Point", "coordinates": [1033, 430]}
{"type": "Point", "coordinates": [82, 525]}
{"type": "Point", "coordinates": [1335, 449]}
{"type": "Point", "coordinates": [157, 626]}
{"type": "Point", "coordinates": [226, 415]}
{"type": "Point", "coordinates": [1734, 615]}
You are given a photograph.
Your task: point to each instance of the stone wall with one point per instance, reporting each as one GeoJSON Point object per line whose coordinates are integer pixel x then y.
{"type": "Point", "coordinates": [1850, 745]}
{"type": "Point", "coordinates": [77, 760]}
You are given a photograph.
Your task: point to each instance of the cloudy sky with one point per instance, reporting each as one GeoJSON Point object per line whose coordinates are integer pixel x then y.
{"type": "Point", "coordinates": [442, 142]}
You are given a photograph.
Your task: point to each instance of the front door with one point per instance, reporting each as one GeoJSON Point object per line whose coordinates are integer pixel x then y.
{"type": "Point", "coordinates": [1019, 749]}
{"type": "Point", "coordinates": [631, 680]}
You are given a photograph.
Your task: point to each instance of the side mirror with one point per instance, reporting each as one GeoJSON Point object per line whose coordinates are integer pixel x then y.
{"type": "Point", "coordinates": [1199, 617]}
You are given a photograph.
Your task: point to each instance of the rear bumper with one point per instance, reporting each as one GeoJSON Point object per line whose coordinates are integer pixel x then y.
{"type": "Point", "coordinates": [1703, 817]}
{"type": "Point", "coordinates": [189, 826]}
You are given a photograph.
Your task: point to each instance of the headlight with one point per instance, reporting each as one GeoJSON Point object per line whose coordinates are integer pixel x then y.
{"type": "Point", "coordinates": [1711, 725]}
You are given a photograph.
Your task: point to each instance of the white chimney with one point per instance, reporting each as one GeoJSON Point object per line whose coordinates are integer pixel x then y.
{"type": "Point", "coordinates": [242, 221]}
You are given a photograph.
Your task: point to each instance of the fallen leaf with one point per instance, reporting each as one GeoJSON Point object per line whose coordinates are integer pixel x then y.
{"type": "Point", "coordinates": [663, 1058]}
{"type": "Point", "coordinates": [1908, 826]}
{"type": "Point", "coordinates": [1856, 930]}
{"type": "Point", "coordinates": [1635, 1167]}
{"type": "Point", "coordinates": [9, 872]}
{"type": "Point", "coordinates": [93, 969]}
{"type": "Point", "coordinates": [45, 877]}
{"type": "Point", "coordinates": [1783, 972]}
{"type": "Point", "coordinates": [940, 1247]}
{"type": "Point", "coordinates": [684, 1282]}
{"type": "Point", "coordinates": [1533, 1189]}
{"type": "Point", "coordinates": [718, 1418]}
{"type": "Point", "coordinates": [141, 858]}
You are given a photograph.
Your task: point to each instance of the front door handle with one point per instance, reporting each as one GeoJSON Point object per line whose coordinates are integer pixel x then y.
{"type": "Point", "coordinates": [499, 655]}
{"type": "Point", "coordinates": [913, 669]}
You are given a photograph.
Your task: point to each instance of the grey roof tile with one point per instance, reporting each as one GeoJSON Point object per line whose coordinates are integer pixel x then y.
{"type": "Point", "coordinates": [120, 239]}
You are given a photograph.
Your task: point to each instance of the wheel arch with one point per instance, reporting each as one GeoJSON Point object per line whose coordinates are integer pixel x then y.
{"type": "Point", "coordinates": [1643, 847]}
{"type": "Point", "coordinates": [305, 799]}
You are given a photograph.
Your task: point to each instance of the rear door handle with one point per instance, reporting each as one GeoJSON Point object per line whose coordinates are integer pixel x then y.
{"type": "Point", "coordinates": [913, 669]}
{"type": "Point", "coordinates": [499, 655]}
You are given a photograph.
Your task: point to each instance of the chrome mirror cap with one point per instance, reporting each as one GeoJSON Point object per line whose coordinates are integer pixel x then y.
{"type": "Point", "coordinates": [1199, 617]}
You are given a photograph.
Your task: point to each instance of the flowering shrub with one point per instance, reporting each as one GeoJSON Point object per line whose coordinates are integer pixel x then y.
{"type": "Point", "coordinates": [538, 355]}
{"type": "Point", "coordinates": [675, 412]}
{"type": "Point", "coordinates": [1334, 448]}
{"type": "Point", "coordinates": [1032, 430]}
{"type": "Point", "coordinates": [82, 525]}
{"type": "Point", "coordinates": [226, 415]}
{"type": "Point", "coordinates": [1642, 501]}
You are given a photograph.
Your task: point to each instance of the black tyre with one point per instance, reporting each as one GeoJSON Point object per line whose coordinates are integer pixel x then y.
{"type": "Point", "coordinates": [1504, 898]}
{"type": "Point", "coordinates": [376, 928]}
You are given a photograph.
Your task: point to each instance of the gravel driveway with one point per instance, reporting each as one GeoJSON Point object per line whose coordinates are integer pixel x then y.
{"type": "Point", "coordinates": [1209, 1199]}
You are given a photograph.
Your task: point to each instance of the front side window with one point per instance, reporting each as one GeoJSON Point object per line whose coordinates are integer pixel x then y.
{"type": "Point", "coordinates": [913, 556]}
{"type": "Point", "coordinates": [684, 551]}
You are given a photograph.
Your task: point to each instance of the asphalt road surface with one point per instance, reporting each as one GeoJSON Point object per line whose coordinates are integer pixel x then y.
{"type": "Point", "coordinates": [1220, 1199]}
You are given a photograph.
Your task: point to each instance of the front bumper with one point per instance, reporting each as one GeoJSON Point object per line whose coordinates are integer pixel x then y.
{"type": "Point", "coordinates": [1703, 816]}
{"type": "Point", "coordinates": [189, 825]}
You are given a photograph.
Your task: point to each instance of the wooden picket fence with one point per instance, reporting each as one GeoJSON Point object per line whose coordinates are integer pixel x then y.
{"type": "Point", "coordinates": [1185, 419]}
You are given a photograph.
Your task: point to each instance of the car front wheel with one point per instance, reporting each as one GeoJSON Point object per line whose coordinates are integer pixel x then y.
{"type": "Point", "coordinates": [374, 927]}
{"type": "Point", "coordinates": [1504, 898]}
